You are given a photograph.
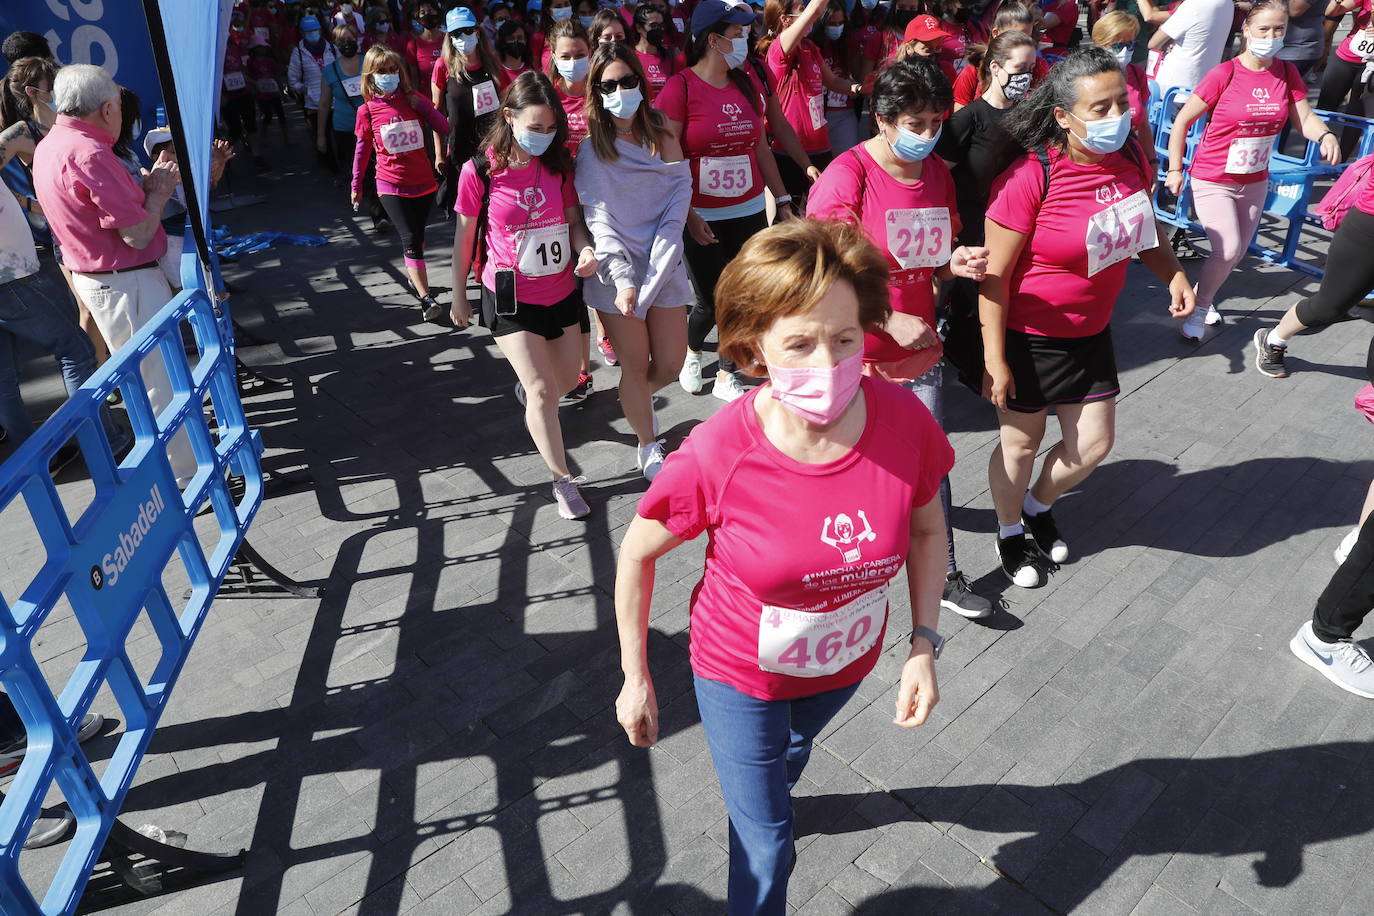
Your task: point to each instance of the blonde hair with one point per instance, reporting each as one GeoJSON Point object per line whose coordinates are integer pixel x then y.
{"type": "Point", "coordinates": [1115, 26]}
{"type": "Point", "coordinates": [785, 270]}
{"type": "Point", "coordinates": [380, 55]}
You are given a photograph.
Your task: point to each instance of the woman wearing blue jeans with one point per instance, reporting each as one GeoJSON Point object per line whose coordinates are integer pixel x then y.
{"type": "Point", "coordinates": [814, 490]}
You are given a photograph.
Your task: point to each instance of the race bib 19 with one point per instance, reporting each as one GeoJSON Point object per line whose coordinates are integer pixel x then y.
{"type": "Point", "coordinates": [1248, 155]}
{"type": "Point", "coordinates": [234, 82]}
{"type": "Point", "coordinates": [485, 98]}
{"type": "Point", "coordinates": [728, 176]}
{"type": "Point", "coordinates": [542, 252]}
{"type": "Point", "coordinates": [804, 644]}
{"type": "Point", "coordinates": [402, 136]}
{"type": "Point", "coordinates": [1120, 231]}
{"type": "Point", "coordinates": [353, 86]}
{"type": "Point", "coordinates": [918, 237]}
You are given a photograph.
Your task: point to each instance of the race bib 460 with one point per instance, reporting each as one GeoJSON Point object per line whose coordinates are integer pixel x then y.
{"type": "Point", "coordinates": [804, 644]}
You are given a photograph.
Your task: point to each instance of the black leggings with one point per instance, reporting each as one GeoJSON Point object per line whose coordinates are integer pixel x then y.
{"type": "Point", "coordinates": [409, 215]}
{"type": "Point", "coordinates": [1341, 77]}
{"type": "Point", "coordinates": [1349, 272]}
{"type": "Point", "coordinates": [705, 263]}
{"type": "Point", "coordinates": [1349, 596]}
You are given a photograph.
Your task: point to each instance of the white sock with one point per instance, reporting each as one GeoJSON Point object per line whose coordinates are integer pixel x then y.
{"type": "Point", "coordinates": [1033, 506]}
{"type": "Point", "coordinates": [1008, 531]}
{"type": "Point", "coordinates": [1274, 340]}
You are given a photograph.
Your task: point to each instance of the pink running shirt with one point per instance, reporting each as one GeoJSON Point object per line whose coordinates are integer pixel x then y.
{"type": "Point", "coordinates": [801, 92]}
{"type": "Point", "coordinates": [1249, 109]}
{"type": "Point", "coordinates": [720, 132]}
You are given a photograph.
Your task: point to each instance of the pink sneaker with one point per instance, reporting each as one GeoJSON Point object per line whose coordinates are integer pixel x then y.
{"type": "Point", "coordinates": [607, 351]}
{"type": "Point", "coordinates": [570, 501]}
{"type": "Point", "coordinates": [582, 388]}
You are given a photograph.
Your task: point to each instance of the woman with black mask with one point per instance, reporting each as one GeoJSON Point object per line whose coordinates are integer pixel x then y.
{"type": "Point", "coordinates": [512, 52]}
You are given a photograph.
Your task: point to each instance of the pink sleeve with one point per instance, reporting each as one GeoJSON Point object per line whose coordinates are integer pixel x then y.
{"type": "Point", "coordinates": [439, 75]}
{"type": "Point", "coordinates": [775, 62]}
{"type": "Point", "coordinates": [1015, 195]}
{"type": "Point", "coordinates": [470, 191]}
{"type": "Point", "coordinates": [1297, 89]}
{"type": "Point", "coordinates": [362, 151]}
{"type": "Point", "coordinates": [672, 98]}
{"type": "Point", "coordinates": [835, 195]}
{"type": "Point", "coordinates": [1209, 88]}
{"type": "Point", "coordinates": [676, 498]}
{"type": "Point", "coordinates": [437, 122]}
{"type": "Point", "coordinates": [873, 48]}
{"type": "Point", "coordinates": [112, 190]}
{"type": "Point", "coordinates": [569, 192]}
{"type": "Point", "coordinates": [966, 86]}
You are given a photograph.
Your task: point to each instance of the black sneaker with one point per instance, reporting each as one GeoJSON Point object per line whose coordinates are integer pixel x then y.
{"type": "Point", "coordinates": [1024, 565]}
{"type": "Point", "coordinates": [1269, 360]}
{"type": "Point", "coordinates": [1045, 534]}
{"type": "Point", "coordinates": [959, 597]}
{"type": "Point", "coordinates": [432, 310]}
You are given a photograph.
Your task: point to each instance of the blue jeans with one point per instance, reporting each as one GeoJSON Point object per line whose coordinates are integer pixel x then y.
{"type": "Point", "coordinates": [759, 748]}
{"type": "Point", "coordinates": [929, 388]}
{"type": "Point", "coordinates": [32, 309]}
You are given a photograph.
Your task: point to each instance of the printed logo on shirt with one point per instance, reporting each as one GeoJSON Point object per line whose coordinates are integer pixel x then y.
{"type": "Point", "coordinates": [843, 536]}
{"type": "Point", "coordinates": [1260, 93]}
{"type": "Point", "coordinates": [1109, 193]}
{"type": "Point", "coordinates": [731, 110]}
{"type": "Point", "coordinates": [533, 200]}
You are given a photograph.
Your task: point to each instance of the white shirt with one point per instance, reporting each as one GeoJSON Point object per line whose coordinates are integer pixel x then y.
{"type": "Point", "coordinates": [1199, 29]}
{"type": "Point", "coordinates": [17, 255]}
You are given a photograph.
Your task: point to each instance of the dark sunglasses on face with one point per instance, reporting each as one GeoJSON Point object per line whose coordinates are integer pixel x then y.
{"type": "Point", "coordinates": [471, 31]}
{"type": "Point", "coordinates": [606, 87]}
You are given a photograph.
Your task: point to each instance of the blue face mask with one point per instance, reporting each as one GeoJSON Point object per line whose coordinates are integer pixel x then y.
{"type": "Point", "coordinates": [575, 70]}
{"type": "Point", "coordinates": [1105, 135]}
{"type": "Point", "coordinates": [739, 50]}
{"type": "Point", "coordinates": [622, 103]}
{"type": "Point", "coordinates": [586, 21]}
{"type": "Point", "coordinates": [834, 32]}
{"type": "Point", "coordinates": [536, 144]}
{"type": "Point", "coordinates": [312, 37]}
{"type": "Point", "coordinates": [911, 146]}
{"type": "Point", "coordinates": [560, 13]}
{"type": "Point", "coordinates": [387, 83]}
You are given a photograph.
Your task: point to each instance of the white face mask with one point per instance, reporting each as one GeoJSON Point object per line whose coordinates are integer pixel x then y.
{"type": "Point", "coordinates": [466, 44]}
{"type": "Point", "coordinates": [1263, 48]}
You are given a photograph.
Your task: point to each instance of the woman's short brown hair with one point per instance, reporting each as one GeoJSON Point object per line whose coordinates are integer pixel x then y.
{"type": "Point", "coordinates": [785, 270]}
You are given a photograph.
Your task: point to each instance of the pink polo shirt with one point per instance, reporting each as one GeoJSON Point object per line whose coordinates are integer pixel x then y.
{"type": "Point", "coordinates": [87, 196]}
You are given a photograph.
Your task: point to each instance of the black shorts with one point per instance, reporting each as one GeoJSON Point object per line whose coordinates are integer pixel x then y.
{"type": "Point", "coordinates": [548, 321]}
{"type": "Point", "coordinates": [1060, 370]}
{"type": "Point", "coordinates": [240, 116]}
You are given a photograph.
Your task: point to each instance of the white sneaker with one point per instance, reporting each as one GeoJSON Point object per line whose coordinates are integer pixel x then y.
{"type": "Point", "coordinates": [650, 459]}
{"type": "Point", "coordinates": [728, 389]}
{"type": "Point", "coordinates": [1213, 316]}
{"type": "Point", "coordinates": [690, 376]}
{"type": "Point", "coordinates": [569, 499]}
{"type": "Point", "coordinates": [1194, 326]}
{"type": "Point", "coordinates": [1345, 664]}
{"type": "Point", "coordinates": [1347, 544]}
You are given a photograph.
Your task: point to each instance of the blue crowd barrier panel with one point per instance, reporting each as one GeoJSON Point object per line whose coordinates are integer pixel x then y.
{"type": "Point", "coordinates": [109, 564]}
{"type": "Point", "coordinates": [1170, 209]}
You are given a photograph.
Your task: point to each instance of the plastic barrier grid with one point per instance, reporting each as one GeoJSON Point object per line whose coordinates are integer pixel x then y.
{"type": "Point", "coordinates": [108, 564]}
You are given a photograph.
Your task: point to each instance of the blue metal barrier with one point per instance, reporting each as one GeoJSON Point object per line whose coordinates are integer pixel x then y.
{"type": "Point", "coordinates": [108, 565]}
{"type": "Point", "coordinates": [1162, 112]}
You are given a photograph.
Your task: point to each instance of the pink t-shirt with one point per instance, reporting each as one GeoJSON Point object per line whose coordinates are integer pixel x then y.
{"type": "Point", "coordinates": [720, 132]}
{"type": "Point", "coordinates": [801, 92]}
{"type": "Point", "coordinates": [1060, 35]}
{"type": "Point", "coordinates": [835, 60]}
{"type": "Point", "coordinates": [656, 71]}
{"type": "Point", "coordinates": [1355, 45]}
{"type": "Point", "coordinates": [960, 36]}
{"type": "Point", "coordinates": [1249, 109]}
{"type": "Point", "coordinates": [87, 196]}
{"type": "Point", "coordinates": [1364, 197]}
{"type": "Point", "coordinates": [575, 107]}
{"type": "Point", "coordinates": [789, 542]}
{"type": "Point", "coordinates": [422, 53]}
{"type": "Point", "coordinates": [882, 45]}
{"type": "Point", "coordinates": [1138, 89]}
{"type": "Point", "coordinates": [1078, 239]}
{"type": "Point", "coordinates": [526, 228]}
{"type": "Point", "coordinates": [913, 224]}
{"type": "Point", "coordinates": [393, 127]}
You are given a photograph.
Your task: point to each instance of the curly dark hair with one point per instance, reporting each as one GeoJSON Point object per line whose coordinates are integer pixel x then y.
{"type": "Point", "coordinates": [911, 85]}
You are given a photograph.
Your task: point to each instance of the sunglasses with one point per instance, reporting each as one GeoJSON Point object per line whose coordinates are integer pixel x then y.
{"type": "Point", "coordinates": [606, 87]}
{"type": "Point", "coordinates": [471, 31]}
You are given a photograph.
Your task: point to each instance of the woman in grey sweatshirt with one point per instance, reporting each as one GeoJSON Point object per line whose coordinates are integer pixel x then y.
{"type": "Point", "coordinates": [635, 189]}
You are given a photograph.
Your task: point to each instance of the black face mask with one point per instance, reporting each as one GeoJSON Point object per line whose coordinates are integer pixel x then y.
{"type": "Point", "coordinates": [348, 48]}
{"type": "Point", "coordinates": [902, 18]}
{"type": "Point", "coordinates": [514, 49]}
{"type": "Point", "coordinates": [430, 22]}
{"type": "Point", "coordinates": [655, 35]}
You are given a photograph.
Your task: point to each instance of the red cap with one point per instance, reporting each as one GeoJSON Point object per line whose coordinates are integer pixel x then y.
{"type": "Point", "coordinates": [924, 28]}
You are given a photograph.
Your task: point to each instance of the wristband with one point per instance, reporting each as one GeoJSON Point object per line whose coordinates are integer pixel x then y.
{"type": "Point", "coordinates": [1329, 133]}
{"type": "Point", "coordinates": [1180, 171]}
{"type": "Point", "coordinates": [783, 199]}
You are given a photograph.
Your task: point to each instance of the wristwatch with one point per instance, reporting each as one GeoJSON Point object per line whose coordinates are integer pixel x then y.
{"type": "Point", "coordinates": [936, 640]}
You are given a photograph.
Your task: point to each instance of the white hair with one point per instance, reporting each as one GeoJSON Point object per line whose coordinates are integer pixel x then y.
{"type": "Point", "coordinates": [80, 90]}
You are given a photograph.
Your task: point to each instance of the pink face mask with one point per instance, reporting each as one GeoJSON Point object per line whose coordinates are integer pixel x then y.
{"type": "Point", "coordinates": [817, 395]}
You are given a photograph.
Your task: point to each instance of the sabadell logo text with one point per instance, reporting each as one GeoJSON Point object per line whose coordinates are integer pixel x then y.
{"type": "Point", "coordinates": [113, 564]}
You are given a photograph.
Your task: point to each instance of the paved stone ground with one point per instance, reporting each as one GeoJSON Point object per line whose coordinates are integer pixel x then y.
{"type": "Point", "coordinates": [436, 735]}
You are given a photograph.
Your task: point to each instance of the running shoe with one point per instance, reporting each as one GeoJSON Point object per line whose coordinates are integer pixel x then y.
{"type": "Point", "coordinates": [50, 827]}
{"type": "Point", "coordinates": [1023, 564]}
{"type": "Point", "coordinates": [1345, 663]}
{"type": "Point", "coordinates": [63, 457]}
{"type": "Point", "coordinates": [1269, 360]}
{"type": "Point", "coordinates": [650, 459]}
{"type": "Point", "coordinates": [432, 310]}
{"type": "Point", "coordinates": [1194, 326]}
{"type": "Point", "coordinates": [690, 376]}
{"type": "Point", "coordinates": [960, 598]}
{"type": "Point", "coordinates": [382, 227]}
{"type": "Point", "coordinates": [570, 502]}
{"type": "Point", "coordinates": [1214, 317]}
{"type": "Point", "coordinates": [12, 754]}
{"type": "Point", "coordinates": [607, 352]}
{"type": "Point", "coordinates": [520, 394]}
{"type": "Point", "coordinates": [1347, 544]}
{"type": "Point", "coordinates": [727, 389]}
{"type": "Point", "coordinates": [582, 388]}
{"type": "Point", "coordinates": [1046, 534]}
